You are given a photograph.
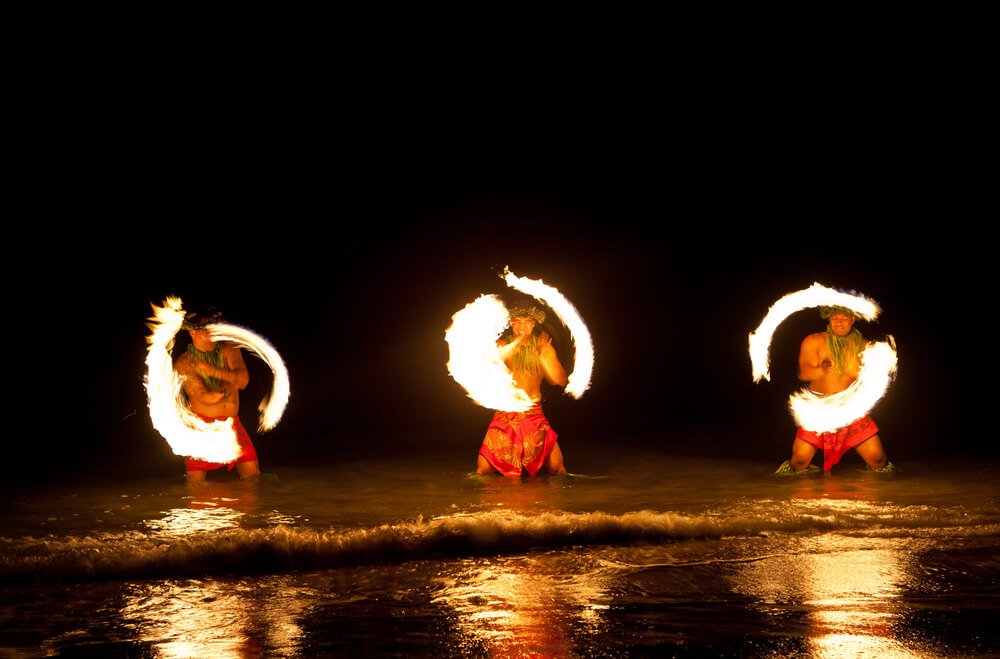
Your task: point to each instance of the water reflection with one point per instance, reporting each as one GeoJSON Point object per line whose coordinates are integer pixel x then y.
{"type": "Point", "coordinates": [238, 617]}
{"type": "Point", "coordinates": [521, 493]}
{"type": "Point", "coordinates": [867, 488]}
{"type": "Point", "coordinates": [526, 605]}
{"type": "Point", "coordinates": [212, 507]}
{"type": "Point", "coordinates": [849, 589]}
{"type": "Point", "coordinates": [213, 618]}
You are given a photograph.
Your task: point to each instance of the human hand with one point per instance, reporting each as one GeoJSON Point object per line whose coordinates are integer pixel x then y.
{"type": "Point", "coordinates": [519, 339]}
{"type": "Point", "coordinates": [209, 371]}
{"type": "Point", "coordinates": [212, 397]}
{"type": "Point", "coordinates": [544, 341]}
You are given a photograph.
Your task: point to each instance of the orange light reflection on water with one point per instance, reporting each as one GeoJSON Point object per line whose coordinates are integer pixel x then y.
{"type": "Point", "coordinates": [849, 588]}
{"type": "Point", "coordinates": [526, 605]}
{"type": "Point", "coordinates": [214, 617]}
{"type": "Point", "coordinates": [211, 507]}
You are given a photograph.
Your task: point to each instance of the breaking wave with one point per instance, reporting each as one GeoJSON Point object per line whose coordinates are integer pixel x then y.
{"type": "Point", "coordinates": [284, 547]}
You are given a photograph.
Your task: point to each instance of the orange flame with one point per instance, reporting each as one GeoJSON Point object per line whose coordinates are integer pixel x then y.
{"type": "Point", "coordinates": [816, 295]}
{"type": "Point", "coordinates": [583, 360]}
{"type": "Point", "coordinates": [187, 433]}
{"type": "Point", "coordinates": [878, 361]}
{"type": "Point", "coordinates": [474, 359]}
{"type": "Point", "coordinates": [828, 413]}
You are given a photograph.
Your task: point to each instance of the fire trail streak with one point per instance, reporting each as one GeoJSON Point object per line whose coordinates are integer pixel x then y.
{"type": "Point", "coordinates": [474, 359]}
{"type": "Point", "coordinates": [878, 361]}
{"type": "Point", "coordinates": [187, 433]}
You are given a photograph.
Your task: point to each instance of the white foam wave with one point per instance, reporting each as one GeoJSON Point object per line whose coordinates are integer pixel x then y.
{"type": "Point", "coordinates": [281, 548]}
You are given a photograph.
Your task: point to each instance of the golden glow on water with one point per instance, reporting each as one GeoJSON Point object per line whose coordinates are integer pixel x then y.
{"type": "Point", "coordinates": [538, 604]}
{"type": "Point", "coordinates": [849, 589]}
{"type": "Point", "coordinates": [526, 605]}
{"type": "Point", "coordinates": [212, 507]}
{"type": "Point", "coordinates": [216, 617]}
{"type": "Point", "coordinates": [194, 618]}
{"type": "Point", "coordinates": [185, 521]}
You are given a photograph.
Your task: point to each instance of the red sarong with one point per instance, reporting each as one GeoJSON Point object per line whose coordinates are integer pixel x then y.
{"type": "Point", "coordinates": [518, 439]}
{"type": "Point", "coordinates": [838, 442]}
{"type": "Point", "coordinates": [247, 452]}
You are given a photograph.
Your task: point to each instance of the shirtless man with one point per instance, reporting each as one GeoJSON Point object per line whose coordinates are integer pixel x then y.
{"type": "Point", "coordinates": [212, 374]}
{"type": "Point", "coordinates": [525, 439]}
{"type": "Point", "coordinates": [829, 362]}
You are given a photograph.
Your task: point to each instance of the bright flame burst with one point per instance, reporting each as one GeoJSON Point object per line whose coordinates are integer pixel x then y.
{"type": "Point", "coordinates": [828, 413]}
{"type": "Point", "coordinates": [878, 361]}
{"type": "Point", "coordinates": [814, 296]}
{"type": "Point", "coordinates": [186, 432]}
{"type": "Point", "coordinates": [475, 358]}
{"type": "Point", "coordinates": [583, 361]}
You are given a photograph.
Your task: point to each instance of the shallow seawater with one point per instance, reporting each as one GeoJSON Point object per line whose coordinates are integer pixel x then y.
{"type": "Point", "coordinates": [654, 555]}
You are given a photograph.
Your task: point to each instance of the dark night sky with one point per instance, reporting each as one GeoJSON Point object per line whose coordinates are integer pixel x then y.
{"type": "Point", "coordinates": [356, 280]}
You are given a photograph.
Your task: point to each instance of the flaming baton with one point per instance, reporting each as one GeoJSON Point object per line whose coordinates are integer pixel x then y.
{"type": "Point", "coordinates": [475, 359]}
{"type": "Point", "coordinates": [187, 433]}
{"type": "Point", "coordinates": [583, 361]}
{"type": "Point", "coordinates": [878, 361]}
{"type": "Point", "coordinates": [827, 413]}
{"type": "Point", "coordinates": [273, 406]}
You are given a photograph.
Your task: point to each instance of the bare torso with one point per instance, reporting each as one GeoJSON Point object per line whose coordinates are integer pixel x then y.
{"type": "Point", "coordinates": [549, 368]}
{"type": "Point", "coordinates": [222, 403]}
{"type": "Point", "coordinates": [541, 363]}
{"type": "Point", "coordinates": [530, 382]}
{"type": "Point", "coordinates": [816, 366]}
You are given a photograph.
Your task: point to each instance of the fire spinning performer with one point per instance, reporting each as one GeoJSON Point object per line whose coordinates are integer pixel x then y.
{"type": "Point", "coordinates": [212, 374]}
{"type": "Point", "coordinates": [525, 439]}
{"type": "Point", "coordinates": [829, 362]}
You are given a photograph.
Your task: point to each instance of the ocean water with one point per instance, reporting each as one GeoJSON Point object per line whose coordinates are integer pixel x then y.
{"type": "Point", "coordinates": [645, 554]}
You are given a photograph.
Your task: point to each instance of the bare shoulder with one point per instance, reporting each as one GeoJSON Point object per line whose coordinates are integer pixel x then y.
{"type": "Point", "coordinates": [183, 362]}
{"type": "Point", "coordinates": [231, 351]}
{"type": "Point", "coordinates": [814, 339]}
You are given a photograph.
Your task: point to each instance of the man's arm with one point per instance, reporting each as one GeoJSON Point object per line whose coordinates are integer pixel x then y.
{"type": "Point", "coordinates": [810, 367]}
{"type": "Point", "coordinates": [553, 369]}
{"type": "Point", "coordinates": [236, 373]}
{"type": "Point", "coordinates": [507, 350]}
{"type": "Point", "coordinates": [240, 376]}
{"type": "Point", "coordinates": [192, 383]}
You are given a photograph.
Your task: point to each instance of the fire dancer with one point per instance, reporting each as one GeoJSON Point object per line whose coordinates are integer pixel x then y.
{"type": "Point", "coordinates": [212, 374]}
{"type": "Point", "coordinates": [829, 362]}
{"type": "Point", "coordinates": [525, 439]}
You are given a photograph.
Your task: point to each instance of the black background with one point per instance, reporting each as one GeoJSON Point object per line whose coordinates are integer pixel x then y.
{"type": "Point", "coordinates": [353, 276]}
